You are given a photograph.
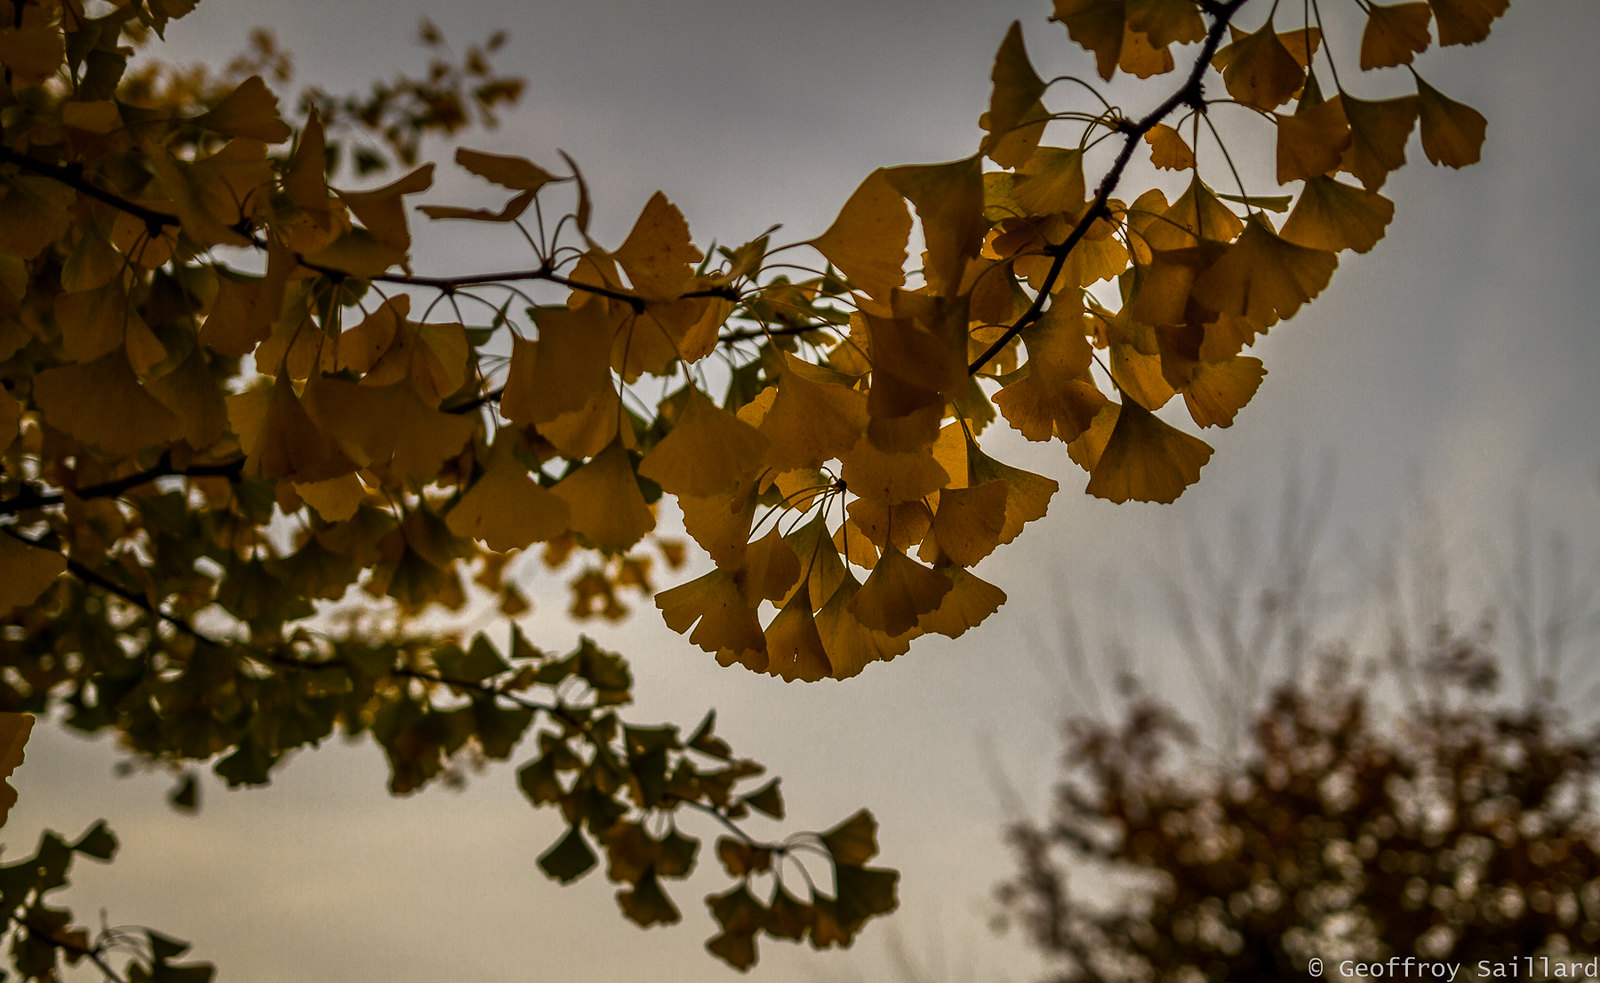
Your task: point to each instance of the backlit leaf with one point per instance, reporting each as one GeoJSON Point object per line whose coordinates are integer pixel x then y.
{"type": "Point", "coordinates": [1394, 34]}
{"type": "Point", "coordinates": [1146, 459]}
{"type": "Point", "coordinates": [1452, 132]}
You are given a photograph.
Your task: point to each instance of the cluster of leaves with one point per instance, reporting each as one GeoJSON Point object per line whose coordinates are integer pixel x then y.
{"type": "Point", "coordinates": [1460, 831]}
{"type": "Point", "coordinates": [230, 401]}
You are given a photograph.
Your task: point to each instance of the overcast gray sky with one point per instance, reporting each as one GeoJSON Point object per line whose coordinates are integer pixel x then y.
{"type": "Point", "coordinates": [1456, 361]}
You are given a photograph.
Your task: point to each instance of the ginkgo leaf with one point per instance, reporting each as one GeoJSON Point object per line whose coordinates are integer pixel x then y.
{"type": "Point", "coordinates": [1051, 181]}
{"type": "Point", "coordinates": [14, 731]}
{"type": "Point", "coordinates": [1218, 390]}
{"type": "Point", "coordinates": [516, 173]}
{"type": "Point", "coordinates": [1168, 149]}
{"type": "Point", "coordinates": [949, 202]}
{"type": "Point", "coordinates": [1146, 459]}
{"type": "Point", "coordinates": [707, 451]}
{"type": "Point", "coordinates": [506, 508]}
{"type": "Point", "coordinates": [32, 47]}
{"type": "Point", "coordinates": [1016, 119]}
{"type": "Point", "coordinates": [813, 547]}
{"type": "Point", "coordinates": [386, 427]}
{"type": "Point", "coordinates": [193, 395]}
{"type": "Point", "coordinates": [1394, 34]}
{"type": "Point", "coordinates": [572, 363]}
{"type": "Point", "coordinates": [1166, 22]}
{"type": "Point", "coordinates": [1332, 216]}
{"type": "Point", "coordinates": [770, 569]}
{"type": "Point", "coordinates": [1378, 133]}
{"type": "Point", "coordinates": [867, 242]}
{"type": "Point", "coordinates": [898, 592]}
{"type": "Point", "coordinates": [510, 212]}
{"type": "Point", "coordinates": [608, 509]}
{"type": "Point", "coordinates": [1027, 494]}
{"type": "Point", "coordinates": [1197, 216]}
{"type": "Point", "coordinates": [102, 404]}
{"type": "Point", "coordinates": [1452, 132]}
{"type": "Point", "coordinates": [813, 418]}
{"type": "Point", "coordinates": [1313, 141]}
{"type": "Point", "coordinates": [335, 499]}
{"type": "Point", "coordinates": [26, 572]}
{"type": "Point", "coordinates": [658, 255]}
{"type": "Point", "coordinates": [969, 601]}
{"type": "Point", "coordinates": [1260, 70]}
{"type": "Point", "coordinates": [1466, 21]}
{"type": "Point", "coordinates": [794, 646]}
{"type": "Point", "coordinates": [849, 644]}
{"type": "Point", "coordinates": [382, 210]}
{"type": "Point", "coordinates": [34, 212]}
{"type": "Point", "coordinates": [720, 524]}
{"type": "Point", "coordinates": [281, 440]}
{"type": "Point", "coordinates": [1098, 26]}
{"type": "Point", "coordinates": [1264, 277]}
{"type": "Point", "coordinates": [967, 523]}
{"type": "Point", "coordinates": [723, 620]}
{"type": "Point", "coordinates": [891, 477]}
{"type": "Point", "coordinates": [250, 110]}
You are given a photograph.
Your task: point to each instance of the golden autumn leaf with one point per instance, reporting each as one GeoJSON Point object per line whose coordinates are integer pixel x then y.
{"type": "Point", "coordinates": [1027, 494]}
{"type": "Point", "coordinates": [1313, 141]}
{"type": "Point", "coordinates": [770, 569]}
{"type": "Point", "coordinates": [1016, 118]}
{"type": "Point", "coordinates": [608, 509]}
{"type": "Point", "coordinates": [969, 601]}
{"type": "Point", "coordinates": [822, 568]}
{"type": "Point", "coordinates": [1098, 26]}
{"type": "Point", "coordinates": [250, 110]}
{"type": "Point", "coordinates": [506, 508]}
{"type": "Point", "coordinates": [1168, 149]}
{"type": "Point", "coordinates": [335, 499]}
{"type": "Point", "coordinates": [195, 397]}
{"type": "Point", "coordinates": [1146, 459]}
{"type": "Point", "coordinates": [14, 731]}
{"type": "Point", "coordinates": [794, 646]}
{"type": "Point", "coordinates": [724, 622]}
{"type": "Point", "coordinates": [281, 440]}
{"type": "Point", "coordinates": [1452, 132]}
{"type": "Point", "coordinates": [26, 572]}
{"type": "Point", "coordinates": [1260, 70]}
{"type": "Point", "coordinates": [32, 47]}
{"type": "Point", "coordinates": [1466, 21]}
{"type": "Point", "coordinates": [516, 173]}
{"type": "Point", "coordinates": [897, 593]}
{"type": "Point", "coordinates": [1196, 217]}
{"type": "Point", "coordinates": [814, 417]}
{"type": "Point", "coordinates": [848, 644]}
{"type": "Point", "coordinates": [1394, 34]}
{"type": "Point", "coordinates": [1331, 216]}
{"type": "Point", "coordinates": [891, 477]}
{"type": "Point", "coordinates": [720, 524]}
{"type": "Point", "coordinates": [1218, 390]}
{"type": "Point", "coordinates": [658, 256]}
{"type": "Point", "coordinates": [867, 242]}
{"type": "Point", "coordinates": [386, 427]}
{"type": "Point", "coordinates": [1264, 277]}
{"type": "Point", "coordinates": [101, 403]}
{"type": "Point", "coordinates": [967, 524]}
{"type": "Point", "coordinates": [707, 451]}
{"type": "Point", "coordinates": [1378, 133]}
{"type": "Point", "coordinates": [949, 202]}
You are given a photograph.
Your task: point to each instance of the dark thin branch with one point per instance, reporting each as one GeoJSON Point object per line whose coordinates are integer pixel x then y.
{"type": "Point", "coordinates": [1190, 94]}
{"type": "Point", "coordinates": [66, 944]}
{"type": "Point", "coordinates": [72, 176]}
{"type": "Point", "coordinates": [30, 499]}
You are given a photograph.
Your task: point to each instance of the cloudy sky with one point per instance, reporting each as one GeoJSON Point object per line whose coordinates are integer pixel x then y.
{"type": "Point", "coordinates": [1454, 367]}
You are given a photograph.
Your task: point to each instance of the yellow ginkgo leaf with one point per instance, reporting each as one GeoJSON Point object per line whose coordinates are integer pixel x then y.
{"type": "Point", "coordinates": [1016, 118]}
{"type": "Point", "coordinates": [281, 440]}
{"type": "Point", "coordinates": [949, 202]}
{"type": "Point", "coordinates": [336, 499]}
{"type": "Point", "coordinates": [770, 569]}
{"type": "Point", "coordinates": [506, 508]}
{"type": "Point", "coordinates": [1331, 216]}
{"type": "Point", "coordinates": [720, 524]}
{"type": "Point", "coordinates": [813, 417]}
{"type": "Point", "coordinates": [1218, 390]}
{"type": "Point", "coordinates": [607, 507]}
{"type": "Point", "coordinates": [1378, 133]}
{"type": "Point", "coordinates": [382, 210]}
{"type": "Point", "coordinates": [882, 525]}
{"type": "Point", "coordinates": [707, 451]}
{"type": "Point", "coordinates": [101, 403]}
{"type": "Point", "coordinates": [891, 477]}
{"type": "Point", "coordinates": [195, 397]}
{"type": "Point", "coordinates": [967, 524]}
{"type": "Point", "coordinates": [25, 571]}
{"type": "Point", "coordinates": [34, 212]}
{"type": "Point", "coordinates": [1168, 149]}
{"type": "Point", "coordinates": [723, 621]}
{"type": "Point", "coordinates": [1395, 34]}
{"type": "Point", "coordinates": [1466, 21]}
{"type": "Point", "coordinates": [1260, 70]}
{"type": "Point", "coordinates": [1196, 217]}
{"type": "Point", "coordinates": [1166, 22]}
{"type": "Point", "coordinates": [1452, 132]}
{"type": "Point", "coordinates": [1098, 26]}
{"type": "Point", "coordinates": [794, 646]}
{"type": "Point", "coordinates": [1146, 459]}
{"type": "Point", "coordinates": [1051, 181]}
{"type": "Point", "coordinates": [250, 110]}
{"type": "Point", "coordinates": [1313, 141]}
{"type": "Point", "coordinates": [516, 173]}
{"type": "Point", "coordinates": [968, 602]}
{"type": "Point", "coordinates": [849, 644]}
{"type": "Point", "coordinates": [897, 593]}
{"type": "Point", "coordinates": [573, 360]}
{"type": "Point", "coordinates": [867, 242]}
{"type": "Point", "coordinates": [387, 427]}
{"type": "Point", "coordinates": [1027, 494]}
{"type": "Point", "coordinates": [658, 255]}
{"type": "Point", "coordinates": [1264, 277]}
{"type": "Point", "coordinates": [819, 559]}
{"type": "Point", "coordinates": [14, 731]}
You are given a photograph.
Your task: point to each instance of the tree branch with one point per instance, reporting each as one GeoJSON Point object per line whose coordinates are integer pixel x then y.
{"type": "Point", "coordinates": [30, 499]}
{"type": "Point", "coordinates": [1190, 94]}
